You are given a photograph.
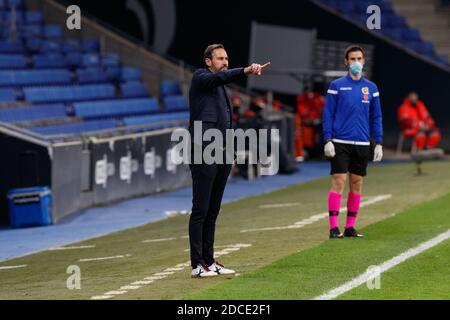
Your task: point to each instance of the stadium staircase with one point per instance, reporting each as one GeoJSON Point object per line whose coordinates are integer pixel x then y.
{"type": "Point", "coordinates": [55, 87]}
{"type": "Point", "coordinates": [415, 24]}
{"type": "Point", "coordinates": [431, 18]}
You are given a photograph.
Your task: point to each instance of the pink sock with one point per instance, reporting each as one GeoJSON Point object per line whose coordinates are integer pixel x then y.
{"type": "Point", "coordinates": [353, 203]}
{"type": "Point", "coordinates": [334, 205]}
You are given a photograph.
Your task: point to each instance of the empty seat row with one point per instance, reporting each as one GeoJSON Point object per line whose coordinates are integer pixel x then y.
{"type": "Point", "coordinates": [80, 127]}
{"type": "Point", "coordinates": [141, 120]}
{"type": "Point", "coordinates": [33, 113]}
{"type": "Point", "coordinates": [134, 89]}
{"type": "Point", "coordinates": [69, 93]}
{"type": "Point", "coordinates": [7, 95]}
{"type": "Point", "coordinates": [116, 108]}
{"type": "Point", "coordinates": [175, 103]}
{"type": "Point", "coordinates": [13, 61]}
{"type": "Point", "coordinates": [34, 77]}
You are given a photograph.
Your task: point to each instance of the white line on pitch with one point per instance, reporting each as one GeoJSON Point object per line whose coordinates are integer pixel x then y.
{"type": "Point", "coordinates": [317, 217]}
{"type": "Point", "coordinates": [71, 248]}
{"type": "Point", "coordinates": [13, 267]}
{"type": "Point", "coordinates": [105, 258]}
{"type": "Point", "coordinates": [363, 278]}
{"type": "Point", "coordinates": [159, 240]}
{"type": "Point", "coordinates": [279, 205]}
{"type": "Point", "coordinates": [166, 273]}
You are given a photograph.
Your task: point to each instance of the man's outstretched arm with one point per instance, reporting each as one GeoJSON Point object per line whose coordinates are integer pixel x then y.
{"type": "Point", "coordinates": [210, 80]}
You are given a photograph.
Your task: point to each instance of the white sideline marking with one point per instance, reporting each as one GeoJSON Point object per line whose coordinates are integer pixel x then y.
{"type": "Point", "coordinates": [279, 205]}
{"type": "Point", "coordinates": [320, 216]}
{"type": "Point", "coordinates": [224, 246]}
{"type": "Point", "coordinates": [101, 297]}
{"type": "Point", "coordinates": [159, 240]}
{"type": "Point", "coordinates": [105, 258]}
{"type": "Point", "coordinates": [13, 267]}
{"type": "Point", "coordinates": [363, 278]}
{"type": "Point", "coordinates": [70, 248]}
{"type": "Point", "coordinates": [162, 275]}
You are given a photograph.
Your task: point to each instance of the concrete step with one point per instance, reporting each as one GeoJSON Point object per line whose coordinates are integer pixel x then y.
{"type": "Point", "coordinates": [414, 8]}
{"type": "Point", "coordinates": [429, 23]}
{"type": "Point", "coordinates": [411, 2]}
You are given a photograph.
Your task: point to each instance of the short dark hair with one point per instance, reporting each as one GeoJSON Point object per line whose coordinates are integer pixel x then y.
{"type": "Point", "coordinates": [209, 51]}
{"type": "Point", "coordinates": [353, 48]}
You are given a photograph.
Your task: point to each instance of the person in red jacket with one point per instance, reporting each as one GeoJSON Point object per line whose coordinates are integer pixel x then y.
{"type": "Point", "coordinates": [417, 123]}
{"type": "Point", "coordinates": [310, 106]}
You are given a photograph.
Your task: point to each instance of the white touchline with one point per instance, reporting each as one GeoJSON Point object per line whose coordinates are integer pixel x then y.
{"type": "Point", "coordinates": [320, 216]}
{"type": "Point", "coordinates": [363, 278]}
{"type": "Point", "coordinates": [13, 267]}
{"type": "Point", "coordinates": [105, 258]}
{"type": "Point", "coordinates": [279, 205]}
{"type": "Point", "coordinates": [159, 240]}
{"type": "Point", "coordinates": [71, 248]}
{"type": "Point", "coordinates": [164, 274]}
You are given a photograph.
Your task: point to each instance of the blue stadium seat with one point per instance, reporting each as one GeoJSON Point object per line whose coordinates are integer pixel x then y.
{"type": "Point", "coordinates": [131, 74]}
{"type": "Point", "coordinates": [116, 108]}
{"type": "Point", "coordinates": [91, 75]}
{"type": "Point", "coordinates": [170, 88]}
{"type": "Point", "coordinates": [12, 61]}
{"type": "Point", "coordinates": [32, 31]}
{"type": "Point", "coordinates": [54, 60]}
{"type": "Point", "coordinates": [33, 113]}
{"type": "Point", "coordinates": [69, 93]}
{"type": "Point", "coordinates": [34, 77]}
{"type": "Point", "coordinates": [111, 60]}
{"type": "Point", "coordinates": [90, 45]}
{"type": "Point", "coordinates": [50, 46]}
{"type": "Point", "coordinates": [33, 17]}
{"type": "Point", "coordinates": [70, 46]}
{"type": "Point", "coordinates": [175, 103]}
{"type": "Point", "coordinates": [90, 60]}
{"type": "Point", "coordinates": [7, 46]}
{"type": "Point", "coordinates": [141, 120]}
{"type": "Point", "coordinates": [113, 73]}
{"type": "Point", "coordinates": [74, 128]}
{"type": "Point", "coordinates": [410, 34]}
{"type": "Point", "coordinates": [7, 95]}
{"type": "Point", "coordinates": [73, 59]}
{"type": "Point", "coordinates": [134, 89]}
{"type": "Point", "coordinates": [53, 31]}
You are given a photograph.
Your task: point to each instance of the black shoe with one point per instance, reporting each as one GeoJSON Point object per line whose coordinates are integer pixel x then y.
{"type": "Point", "coordinates": [352, 233]}
{"type": "Point", "coordinates": [335, 233]}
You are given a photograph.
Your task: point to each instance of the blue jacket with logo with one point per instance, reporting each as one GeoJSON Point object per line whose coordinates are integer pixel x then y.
{"type": "Point", "coordinates": [352, 111]}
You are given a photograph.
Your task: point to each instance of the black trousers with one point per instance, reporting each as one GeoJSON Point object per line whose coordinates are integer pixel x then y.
{"type": "Point", "coordinates": [208, 185]}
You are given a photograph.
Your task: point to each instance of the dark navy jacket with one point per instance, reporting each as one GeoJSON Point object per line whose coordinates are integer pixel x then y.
{"type": "Point", "coordinates": [208, 99]}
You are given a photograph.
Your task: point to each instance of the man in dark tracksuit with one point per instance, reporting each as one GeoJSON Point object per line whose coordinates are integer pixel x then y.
{"type": "Point", "coordinates": [210, 104]}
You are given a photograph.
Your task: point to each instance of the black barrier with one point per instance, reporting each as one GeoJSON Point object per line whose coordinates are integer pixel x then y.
{"type": "Point", "coordinates": [89, 173]}
{"type": "Point", "coordinates": [135, 165]}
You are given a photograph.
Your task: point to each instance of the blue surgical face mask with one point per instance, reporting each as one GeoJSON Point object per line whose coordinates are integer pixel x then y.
{"type": "Point", "coordinates": [356, 68]}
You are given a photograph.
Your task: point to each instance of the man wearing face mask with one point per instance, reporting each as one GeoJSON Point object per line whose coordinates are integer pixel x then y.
{"type": "Point", "coordinates": [351, 120]}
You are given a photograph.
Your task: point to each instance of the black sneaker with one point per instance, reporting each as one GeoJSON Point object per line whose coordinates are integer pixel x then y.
{"type": "Point", "coordinates": [335, 233]}
{"type": "Point", "coordinates": [352, 233]}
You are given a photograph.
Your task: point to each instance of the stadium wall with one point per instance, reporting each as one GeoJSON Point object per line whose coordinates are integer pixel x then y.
{"type": "Point", "coordinates": [395, 70]}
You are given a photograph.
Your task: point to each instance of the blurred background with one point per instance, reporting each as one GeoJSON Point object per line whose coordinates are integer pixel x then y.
{"type": "Point", "coordinates": [86, 114]}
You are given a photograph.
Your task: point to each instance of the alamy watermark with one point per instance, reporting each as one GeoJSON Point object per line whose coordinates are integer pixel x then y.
{"type": "Point", "coordinates": [374, 279]}
{"type": "Point", "coordinates": [74, 280]}
{"type": "Point", "coordinates": [238, 146]}
{"type": "Point", "coordinates": [73, 22]}
{"type": "Point", "coordinates": [374, 20]}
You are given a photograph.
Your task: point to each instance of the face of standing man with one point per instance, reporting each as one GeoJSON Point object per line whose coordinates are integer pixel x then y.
{"type": "Point", "coordinates": [355, 62]}
{"type": "Point", "coordinates": [218, 61]}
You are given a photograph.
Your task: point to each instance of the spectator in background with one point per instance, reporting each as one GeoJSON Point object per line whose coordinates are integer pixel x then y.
{"type": "Point", "coordinates": [236, 103]}
{"type": "Point", "coordinates": [417, 123]}
{"type": "Point", "coordinates": [310, 106]}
